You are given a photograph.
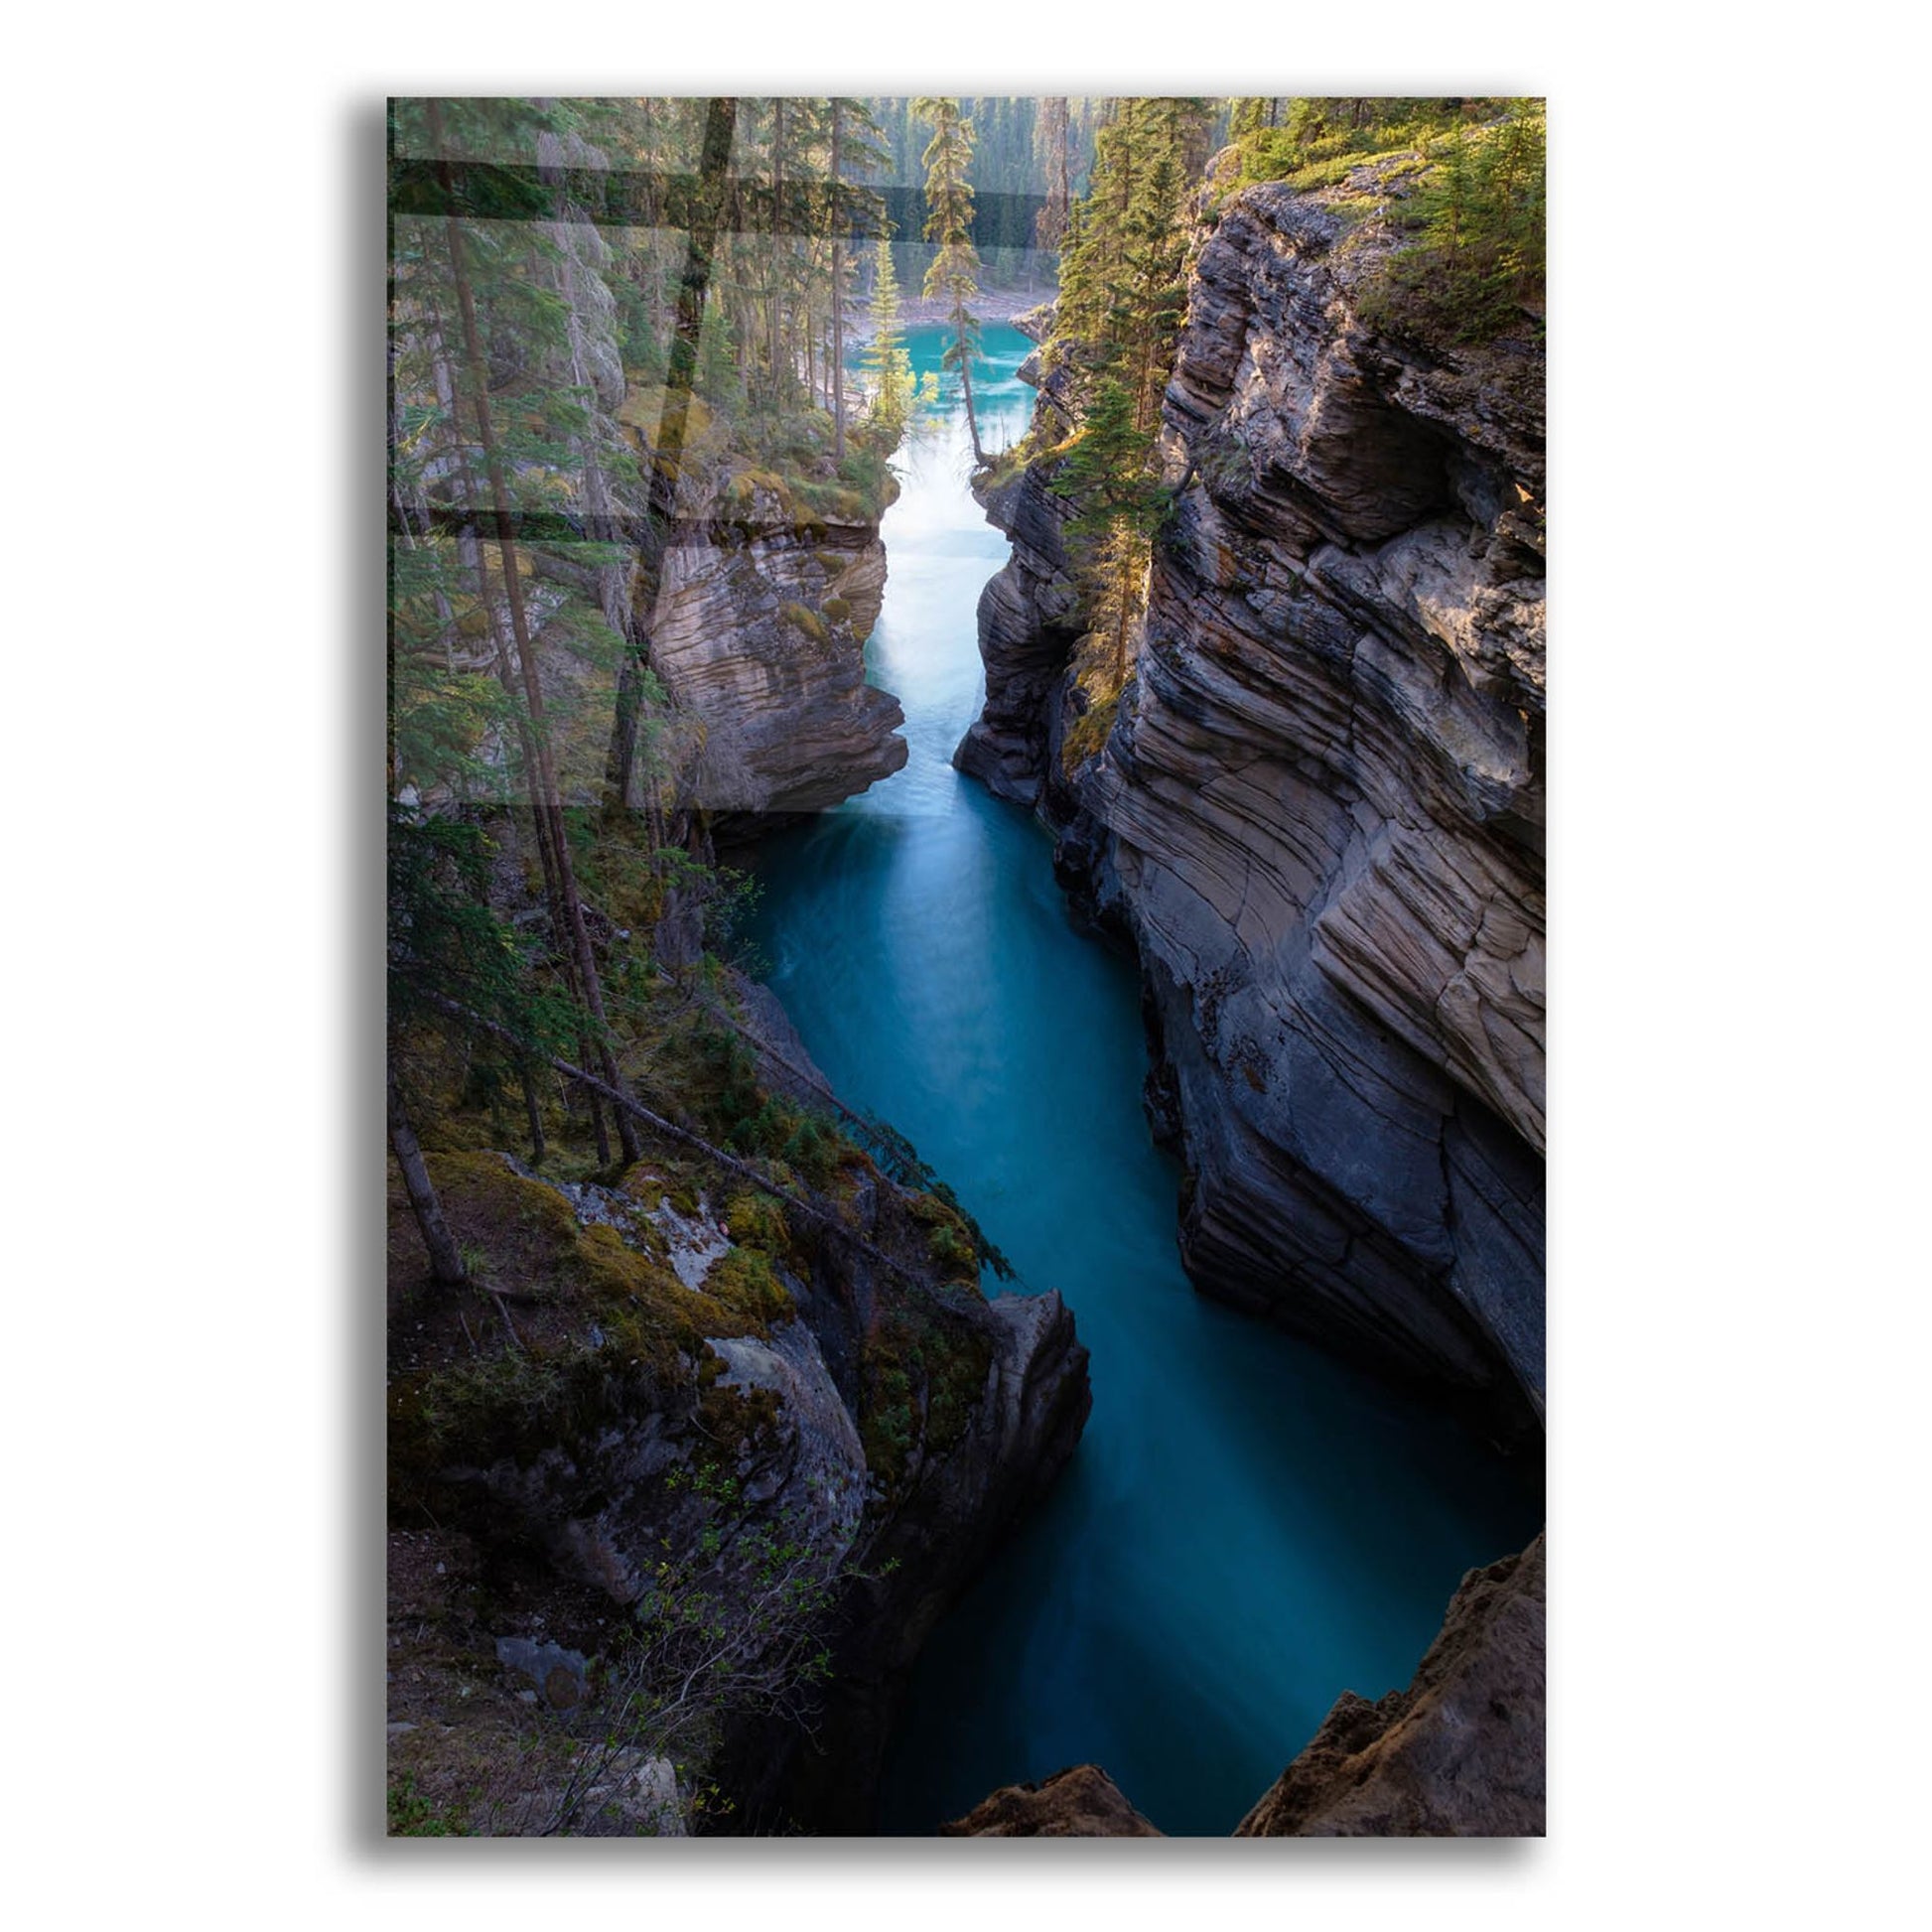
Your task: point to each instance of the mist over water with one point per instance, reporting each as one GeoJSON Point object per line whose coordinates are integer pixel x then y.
{"type": "Point", "coordinates": [1248, 1529]}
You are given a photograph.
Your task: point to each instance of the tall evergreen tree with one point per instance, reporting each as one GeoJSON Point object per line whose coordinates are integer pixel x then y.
{"type": "Point", "coordinates": [954, 273]}
{"type": "Point", "coordinates": [494, 417]}
{"type": "Point", "coordinates": [548, 798]}
{"type": "Point", "coordinates": [887, 362]}
{"type": "Point", "coordinates": [856, 150]}
{"type": "Point", "coordinates": [1123, 280]}
{"type": "Point", "coordinates": [1120, 501]}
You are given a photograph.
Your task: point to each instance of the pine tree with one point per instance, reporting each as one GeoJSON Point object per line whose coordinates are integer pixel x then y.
{"type": "Point", "coordinates": [854, 148]}
{"type": "Point", "coordinates": [1123, 282]}
{"type": "Point", "coordinates": [1247, 116]}
{"type": "Point", "coordinates": [478, 291]}
{"type": "Point", "coordinates": [954, 273]}
{"type": "Point", "coordinates": [1123, 268]}
{"type": "Point", "coordinates": [1109, 475]}
{"type": "Point", "coordinates": [887, 362]}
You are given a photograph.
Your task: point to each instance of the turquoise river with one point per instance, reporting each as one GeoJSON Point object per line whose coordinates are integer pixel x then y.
{"type": "Point", "coordinates": [1248, 1529]}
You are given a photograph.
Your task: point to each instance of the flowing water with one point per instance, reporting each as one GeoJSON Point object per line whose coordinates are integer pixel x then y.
{"type": "Point", "coordinates": [1248, 1529]}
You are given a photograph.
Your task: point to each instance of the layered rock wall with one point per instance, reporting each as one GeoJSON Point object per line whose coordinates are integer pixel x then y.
{"type": "Point", "coordinates": [1029, 613]}
{"type": "Point", "coordinates": [757, 629]}
{"type": "Point", "coordinates": [1318, 813]}
{"type": "Point", "coordinates": [752, 608]}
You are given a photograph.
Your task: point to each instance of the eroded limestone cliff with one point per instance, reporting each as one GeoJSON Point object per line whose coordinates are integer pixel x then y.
{"type": "Point", "coordinates": [1319, 811]}
{"type": "Point", "coordinates": [758, 623]}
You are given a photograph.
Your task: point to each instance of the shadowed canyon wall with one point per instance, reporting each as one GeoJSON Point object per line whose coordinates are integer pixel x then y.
{"type": "Point", "coordinates": [1319, 811]}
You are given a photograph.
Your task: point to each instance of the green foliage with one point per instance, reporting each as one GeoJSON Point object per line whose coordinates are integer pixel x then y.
{"type": "Point", "coordinates": [954, 1253]}
{"type": "Point", "coordinates": [1088, 734]}
{"type": "Point", "coordinates": [413, 1815]}
{"type": "Point", "coordinates": [804, 620]}
{"type": "Point", "coordinates": [1123, 271]}
{"type": "Point", "coordinates": [923, 1370]}
{"type": "Point", "coordinates": [1123, 279]}
{"type": "Point", "coordinates": [735, 1621]}
{"type": "Point", "coordinates": [746, 1278]}
{"type": "Point", "coordinates": [719, 377]}
{"type": "Point", "coordinates": [446, 945]}
{"type": "Point", "coordinates": [1480, 213]}
{"type": "Point", "coordinates": [955, 269]}
{"type": "Point", "coordinates": [1313, 142]}
{"type": "Point", "coordinates": [886, 361]}
{"type": "Point", "coordinates": [1472, 201]}
{"type": "Point", "coordinates": [730, 914]}
{"type": "Point", "coordinates": [1109, 473]}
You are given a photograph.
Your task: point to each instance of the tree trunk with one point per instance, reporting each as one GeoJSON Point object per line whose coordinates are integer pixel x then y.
{"type": "Point", "coordinates": [776, 241]}
{"type": "Point", "coordinates": [471, 551]}
{"type": "Point", "coordinates": [539, 1146]}
{"type": "Point", "coordinates": [966, 384]}
{"type": "Point", "coordinates": [838, 299]}
{"type": "Point", "coordinates": [548, 862]}
{"type": "Point", "coordinates": [1060, 194]}
{"type": "Point", "coordinates": [445, 1264]}
{"type": "Point", "coordinates": [680, 377]}
{"type": "Point", "coordinates": [549, 804]}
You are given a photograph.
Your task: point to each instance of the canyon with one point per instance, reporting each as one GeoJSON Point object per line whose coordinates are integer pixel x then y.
{"type": "Point", "coordinates": [1308, 830]}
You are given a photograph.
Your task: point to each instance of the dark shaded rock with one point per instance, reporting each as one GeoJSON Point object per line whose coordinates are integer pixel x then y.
{"type": "Point", "coordinates": [558, 1673]}
{"type": "Point", "coordinates": [1458, 1754]}
{"type": "Point", "coordinates": [1318, 813]}
{"type": "Point", "coordinates": [932, 1543]}
{"type": "Point", "coordinates": [605, 1443]}
{"type": "Point", "coordinates": [1083, 1802]}
{"type": "Point", "coordinates": [1029, 624]}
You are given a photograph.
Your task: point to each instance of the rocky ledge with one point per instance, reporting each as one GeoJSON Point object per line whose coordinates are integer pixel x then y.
{"type": "Point", "coordinates": [1083, 1802]}
{"type": "Point", "coordinates": [675, 1408]}
{"type": "Point", "coordinates": [759, 629]}
{"type": "Point", "coordinates": [1029, 613]}
{"type": "Point", "coordinates": [1457, 1755]}
{"type": "Point", "coordinates": [1318, 813]}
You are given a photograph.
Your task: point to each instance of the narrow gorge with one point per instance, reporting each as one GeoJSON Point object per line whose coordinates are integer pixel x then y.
{"type": "Point", "coordinates": [966, 974]}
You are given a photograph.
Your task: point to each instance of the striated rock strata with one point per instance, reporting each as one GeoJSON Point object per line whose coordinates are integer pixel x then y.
{"type": "Point", "coordinates": [1029, 613]}
{"type": "Point", "coordinates": [1318, 812]}
{"type": "Point", "coordinates": [749, 592]}
{"type": "Point", "coordinates": [759, 629]}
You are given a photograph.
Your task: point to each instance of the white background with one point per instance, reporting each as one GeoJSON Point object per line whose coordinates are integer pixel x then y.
{"type": "Point", "coordinates": [1739, 437]}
